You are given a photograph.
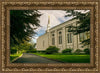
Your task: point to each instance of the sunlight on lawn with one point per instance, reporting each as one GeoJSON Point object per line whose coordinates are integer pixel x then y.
{"type": "Point", "coordinates": [68, 58]}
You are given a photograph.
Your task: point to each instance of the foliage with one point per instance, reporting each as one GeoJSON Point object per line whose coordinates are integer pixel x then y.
{"type": "Point", "coordinates": [23, 47]}
{"type": "Point", "coordinates": [52, 50]}
{"type": "Point", "coordinates": [41, 51]}
{"type": "Point", "coordinates": [83, 24]}
{"type": "Point", "coordinates": [68, 50]}
{"type": "Point", "coordinates": [23, 23]}
{"type": "Point", "coordinates": [13, 50]}
{"type": "Point", "coordinates": [14, 56]}
{"type": "Point", "coordinates": [34, 45]}
{"type": "Point", "coordinates": [78, 51]}
{"type": "Point", "coordinates": [87, 51]}
{"type": "Point", "coordinates": [31, 51]}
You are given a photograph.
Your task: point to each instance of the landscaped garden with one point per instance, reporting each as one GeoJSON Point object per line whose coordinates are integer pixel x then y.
{"type": "Point", "coordinates": [66, 55]}
{"type": "Point", "coordinates": [52, 52]}
{"type": "Point", "coordinates": [67, 58]}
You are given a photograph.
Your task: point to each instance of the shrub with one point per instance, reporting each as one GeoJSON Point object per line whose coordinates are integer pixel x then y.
{"type": "Point", "coordinates": [13, 50]}
{"type": "Point", "coordinates": [41, 51]}
{"type": "Point", "coordinates": [31, 51]}
{"type": "Point", "coordinates": [68, 50]}
{"type": "Point", "coordinates": [87, 51]}
{"type": "Point", "coordinates": [52, 50]}
{"type": "Point", "coordinates": [78, 51]}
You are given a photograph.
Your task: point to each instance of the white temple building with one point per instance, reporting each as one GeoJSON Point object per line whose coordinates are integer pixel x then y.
{"type": "Point", "coordinates": [60, 37]}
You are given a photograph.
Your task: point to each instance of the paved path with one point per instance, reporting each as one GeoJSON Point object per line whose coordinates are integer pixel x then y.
{"type": "Point", "coordinates": [31, 58]}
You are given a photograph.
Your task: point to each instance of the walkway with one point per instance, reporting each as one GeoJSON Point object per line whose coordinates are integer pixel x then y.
{"type": "Point", "coordinates": [31, 58]}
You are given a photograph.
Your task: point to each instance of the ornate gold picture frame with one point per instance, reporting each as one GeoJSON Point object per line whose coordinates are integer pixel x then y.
{"type": "Point", "coordinates": [7, 67]}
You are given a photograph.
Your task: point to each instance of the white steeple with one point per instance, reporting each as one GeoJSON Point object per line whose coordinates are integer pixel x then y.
{"type": "Point", "coordinates": [48, 25]}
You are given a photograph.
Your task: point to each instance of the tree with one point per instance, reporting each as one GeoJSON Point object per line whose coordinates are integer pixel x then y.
{"type": "Point", "coordinates": [34, 45]}
{"type": "Point", "coordinates": [22, 23]}
{"type": "Point", "coordinates": [83, 24]}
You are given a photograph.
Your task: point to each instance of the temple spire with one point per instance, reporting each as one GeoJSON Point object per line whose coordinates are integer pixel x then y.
{"type": "Point", "coordinates": [48, 25]}
{"type": "Point", "coordinates": [48, 19]}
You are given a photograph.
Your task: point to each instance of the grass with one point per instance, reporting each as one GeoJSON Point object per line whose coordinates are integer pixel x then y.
{"type": "Point", "coordinates": [14, 56]}
{"type": "Point", "coordinates": [67, 58]}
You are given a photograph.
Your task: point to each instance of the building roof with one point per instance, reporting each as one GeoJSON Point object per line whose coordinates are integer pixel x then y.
{"type": "Point", "coordinates": [63, 23]}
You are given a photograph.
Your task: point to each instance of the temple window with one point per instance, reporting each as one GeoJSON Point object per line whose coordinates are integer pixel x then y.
{"type": "Point", "coordinates": [53, 39]}
{"type": "Point", "coordinates": [60, 37]}
{"type": "Point", "coordinates": [69, 36]}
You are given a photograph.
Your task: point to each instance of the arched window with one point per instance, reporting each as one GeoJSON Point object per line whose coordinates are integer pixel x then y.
{"type": "Point", "coordinates": [53, 39]}
{"type": "Point", "coordinates": [69, 36]}
{"type": "Point", "coordinates": [60, 37]}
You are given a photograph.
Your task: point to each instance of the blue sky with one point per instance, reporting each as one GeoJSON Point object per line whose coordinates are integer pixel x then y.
{"type": "Point", "coordinates": [56, 17]}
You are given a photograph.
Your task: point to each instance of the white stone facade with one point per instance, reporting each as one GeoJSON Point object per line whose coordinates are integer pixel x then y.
{"type": "Point", "coordinates": [58, 36]}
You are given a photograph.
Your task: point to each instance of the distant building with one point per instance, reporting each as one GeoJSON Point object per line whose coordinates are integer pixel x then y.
{"type": "Point", "coordinates": [60, 37]}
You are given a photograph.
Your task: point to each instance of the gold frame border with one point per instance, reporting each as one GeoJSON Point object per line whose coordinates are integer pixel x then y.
{"type": "Point", "coordinates": [4, 68]}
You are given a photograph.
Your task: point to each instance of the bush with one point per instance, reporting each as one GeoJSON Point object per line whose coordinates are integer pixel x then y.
{"type": "Point", "coordinates": [41, 51]}
{"type": "Point", "coordinates": [87, 51]}
{"type": "Point", "coordinates": [78, 51]}
{"type": "Point", "coordinates": [13, 50]}
{"type": "Point", "coordinates": [52, 50]}
{"type": "Point", "coordinates": [68, 50]}
{"type": "Point", "coordinates": [31, 51]}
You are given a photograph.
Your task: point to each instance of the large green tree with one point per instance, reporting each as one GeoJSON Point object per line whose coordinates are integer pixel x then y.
{"type": "Point", "coordinates": [82, 25]}
{"type": "Point", "coordinates": [22, 23]}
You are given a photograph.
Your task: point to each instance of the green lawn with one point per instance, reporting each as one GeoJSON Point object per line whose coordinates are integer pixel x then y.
{"type": "Point", "coordinates": [13, 56]}
{"type": "Point", "coordinates": [67, 58]}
